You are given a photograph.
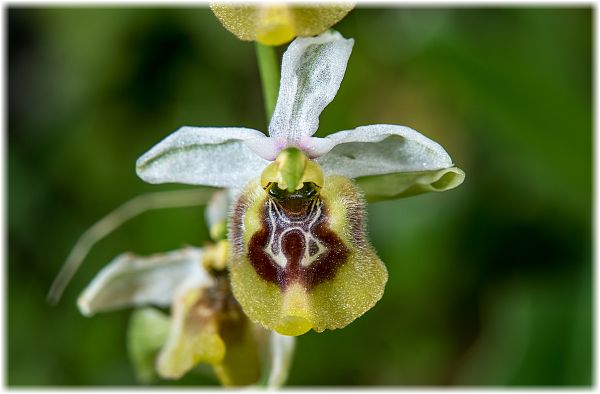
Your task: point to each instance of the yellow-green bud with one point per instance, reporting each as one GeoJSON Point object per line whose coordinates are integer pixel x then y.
{"type": "Point", "coordinates": [272, 24]}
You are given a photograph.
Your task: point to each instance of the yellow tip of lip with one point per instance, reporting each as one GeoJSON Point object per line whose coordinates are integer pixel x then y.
{"type": "Point", "coordinates": [275, 25]}
{"type": "Point", "coordinates": [275, 35]}
{"type": "Point", "coordinates": [293, 326]}
{"type": "Point", "coordinates": [294, 318]}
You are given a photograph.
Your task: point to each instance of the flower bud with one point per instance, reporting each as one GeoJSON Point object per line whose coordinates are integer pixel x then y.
{"type": "Point", "coordinates": [271, 24]}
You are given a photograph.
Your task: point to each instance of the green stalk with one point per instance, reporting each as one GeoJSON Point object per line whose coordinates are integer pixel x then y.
{"type": "Point", "coordinates": [268, 66]}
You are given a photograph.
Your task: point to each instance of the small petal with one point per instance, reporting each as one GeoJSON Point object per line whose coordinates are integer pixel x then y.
{"type": "Point", "coordinates": [210, 156]}
{"type": "Point", "coordinates": [382, 149]}
{"type": "Point", "coordinates": [405, 184]}
{"type": "Point", "coordinates": [299, 263]}
{"type": "Point", "coordinates": [315, 147]}
{"type": "Point", "coordinates": [147, 332]}
{"type": "Point", "coordinates": [311, 73]}
{"type": "Point", "coordinates": [131, 280]}
{"type": "Point", "coordinates": [267, 148]}
{"type": "Point", "coordinates": [193, 337]}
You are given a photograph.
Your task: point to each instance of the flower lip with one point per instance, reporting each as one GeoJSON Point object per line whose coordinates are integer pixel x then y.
{"type": "Point", "coordinates": [295, 269]}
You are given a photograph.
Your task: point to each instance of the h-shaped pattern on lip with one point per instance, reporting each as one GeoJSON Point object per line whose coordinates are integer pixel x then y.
{"type": "Point", "coordinates": [283, 227]}
{"type": "Point", "coordinates": [296, 247]}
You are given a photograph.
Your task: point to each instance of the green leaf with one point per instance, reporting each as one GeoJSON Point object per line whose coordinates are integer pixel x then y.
{"type": "Point", "coordinates": [146, 334]}
{"type": "Point", "coordinates": [405, 184]}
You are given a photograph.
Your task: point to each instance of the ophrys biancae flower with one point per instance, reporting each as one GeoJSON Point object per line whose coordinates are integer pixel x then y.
{"type": "Point", "coordinates": [300, 257]}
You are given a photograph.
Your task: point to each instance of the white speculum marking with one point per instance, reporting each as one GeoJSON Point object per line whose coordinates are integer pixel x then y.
{"type": "Point", "coordinates": [281, 225]}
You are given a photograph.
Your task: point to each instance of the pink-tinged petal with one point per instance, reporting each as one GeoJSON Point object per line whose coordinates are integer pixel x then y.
{"type": "Point", "coordinates": [315, 147]}
{"type": "Point", "coordinates": [266, 148]}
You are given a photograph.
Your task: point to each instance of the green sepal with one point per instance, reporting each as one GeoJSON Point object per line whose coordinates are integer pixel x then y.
{"type": "Point", "coordinates": [147, 332]}
{"type": "Point", "coordinates": [405, 184]}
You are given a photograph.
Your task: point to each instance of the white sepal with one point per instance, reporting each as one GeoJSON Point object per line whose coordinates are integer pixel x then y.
{"type": "Point", "coordinates": [210, 156]}
{"type": "Point", "coordinates": [381, 149]}
{"type": "Point", "coordinates": [311, 72]}
{"type": "Point", "coordinates": [131, 280]}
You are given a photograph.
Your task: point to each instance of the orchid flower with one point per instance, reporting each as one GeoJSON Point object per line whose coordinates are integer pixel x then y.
{"type": "Point", "coordinates": [299, 254]}
{"type": "Point", "coordinates": [206, 323]}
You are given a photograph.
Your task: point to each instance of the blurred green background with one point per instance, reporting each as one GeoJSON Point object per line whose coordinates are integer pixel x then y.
{"type": "Point", "coordinates": [489, 284]}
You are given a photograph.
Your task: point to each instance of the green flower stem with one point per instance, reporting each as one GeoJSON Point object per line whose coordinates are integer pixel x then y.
{"type": "Point", "coordinates": [268, 66]}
